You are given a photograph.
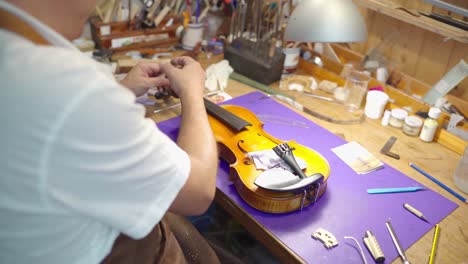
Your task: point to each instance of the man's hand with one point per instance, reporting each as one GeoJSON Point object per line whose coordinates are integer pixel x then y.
{"type": "Point", "coordinates": [186, 76]}
{"type": "Point", "coordinates": [143, 76]}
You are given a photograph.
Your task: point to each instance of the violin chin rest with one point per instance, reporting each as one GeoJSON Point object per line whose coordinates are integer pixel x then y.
{"type": "Point", "coordinates": [280, 180]}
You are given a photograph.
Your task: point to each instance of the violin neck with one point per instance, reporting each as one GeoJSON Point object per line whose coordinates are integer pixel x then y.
{"type": "Point", "coordinates": [227, 118]}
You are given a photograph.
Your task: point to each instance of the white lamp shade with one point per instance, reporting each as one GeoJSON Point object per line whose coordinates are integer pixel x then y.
{"type": "Point", "coordinates": [326, 21]}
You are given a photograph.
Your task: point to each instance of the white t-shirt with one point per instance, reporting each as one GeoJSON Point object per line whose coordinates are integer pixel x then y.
{"type": "Point", "coordinates": [79, 163]}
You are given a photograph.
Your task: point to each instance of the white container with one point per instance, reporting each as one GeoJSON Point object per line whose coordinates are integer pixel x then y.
{"type": "Point", "coordinates": [291, 59]}
{"type": "Point", "coordinates": [381, 74]}
{"type": "Point", "coordinates": [192, 35]}
{"type": "Point", "coordinates": [397, 117]}
{"type": "Point", "coordinates": [386, 118]}
{"type": "Point", "coordinates": [375, 104]}
{"type": "Point", "coordinates": [430, 125]}
{"type": "Point", "coordinates": [412, 125]}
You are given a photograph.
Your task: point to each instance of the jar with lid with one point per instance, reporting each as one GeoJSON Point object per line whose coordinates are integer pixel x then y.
{"type": "Point", "coordinates": [430, 125]}
{"type": "Point", "coordinates": [412, 125]}
{"type": "Point", "coordinates": [397, 117]}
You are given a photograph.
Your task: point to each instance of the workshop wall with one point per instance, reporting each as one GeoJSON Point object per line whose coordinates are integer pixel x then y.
{"type": "Point", "coordinates": [418, 52]}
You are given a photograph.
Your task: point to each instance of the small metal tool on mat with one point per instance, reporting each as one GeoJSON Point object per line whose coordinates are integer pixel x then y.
{"type": "Point", "coordinates": [374, 248]}
{"type": "Point", "coordinates": [396, 242]}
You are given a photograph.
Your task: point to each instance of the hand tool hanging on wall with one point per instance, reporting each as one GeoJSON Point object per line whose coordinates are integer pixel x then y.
{"type": "Point", "coordinates": [151, 13]}
{"type": "Point", "coordinates": [255, 53]}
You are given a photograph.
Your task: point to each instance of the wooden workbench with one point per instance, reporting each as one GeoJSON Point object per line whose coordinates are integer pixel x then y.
{"type": "Point", "coordinates": [437, 160]}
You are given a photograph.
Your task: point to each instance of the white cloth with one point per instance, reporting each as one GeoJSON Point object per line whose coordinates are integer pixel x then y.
{"type": "Point", "coordinates": [79, 163]}
{"type": "Point", "coordinates": [268, 159]}
{"type": "Point", "coordinates": [217, 75]}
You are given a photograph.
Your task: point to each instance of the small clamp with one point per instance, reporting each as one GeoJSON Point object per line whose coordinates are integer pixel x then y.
{"type": "Point", "coordinates": [373, 246]}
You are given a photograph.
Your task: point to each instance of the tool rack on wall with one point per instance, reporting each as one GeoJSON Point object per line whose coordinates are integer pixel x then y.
{"type": "Point", "coordinates": [121, 36]}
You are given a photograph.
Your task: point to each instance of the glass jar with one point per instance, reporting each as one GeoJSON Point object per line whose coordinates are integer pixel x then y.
{"type": "Point", "coordinates": [213, 21]}
{"type": "Point", "coordinates": [412, 125]}
{"type": "Point", "coordinates": [397, 117]}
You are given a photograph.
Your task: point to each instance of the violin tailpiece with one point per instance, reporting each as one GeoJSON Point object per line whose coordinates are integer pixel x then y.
{"type": "Point", "coordinates": [284, 151]}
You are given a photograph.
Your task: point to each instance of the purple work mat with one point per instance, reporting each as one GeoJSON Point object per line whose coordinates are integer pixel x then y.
{"type": "Point", "coordinates": [345, 209]}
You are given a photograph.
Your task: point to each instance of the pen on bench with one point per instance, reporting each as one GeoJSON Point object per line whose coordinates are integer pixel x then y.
{"type": "Point", "coordinates": [415, 211]}
{"type": "Point", "coordinates": [463, 199]}
{"type": "Point", "coordinates": [394, 190]}
{"type": "Point", "coordinates": [434, 244]}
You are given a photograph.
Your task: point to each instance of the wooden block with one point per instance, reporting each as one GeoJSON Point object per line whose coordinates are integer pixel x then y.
{"type": "Point", "coordinates": [450, 141]}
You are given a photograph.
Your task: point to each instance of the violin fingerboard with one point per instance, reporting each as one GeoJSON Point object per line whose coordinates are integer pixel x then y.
{"type": "Point", "coordinates": [226, 117]}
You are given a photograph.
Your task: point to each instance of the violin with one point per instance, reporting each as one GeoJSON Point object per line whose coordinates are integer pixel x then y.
{"type": "Point", "coordinates": [239, 132]}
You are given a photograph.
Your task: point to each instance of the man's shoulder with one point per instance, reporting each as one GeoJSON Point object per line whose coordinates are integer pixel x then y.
{"type": "Point", "coordinates": [56, 69]}
{"type": "Point", "coordinates": [54, 76]}
{"type": "Point", "coordinates": [20, 53]}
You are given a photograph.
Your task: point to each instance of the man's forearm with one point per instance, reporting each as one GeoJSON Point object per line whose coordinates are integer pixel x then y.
{"type": "Point", "coordinates": [196, 137]}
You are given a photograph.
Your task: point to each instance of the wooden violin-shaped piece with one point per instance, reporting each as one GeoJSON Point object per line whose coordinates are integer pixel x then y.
{"type": "Point", "coordinates": [238, 136]}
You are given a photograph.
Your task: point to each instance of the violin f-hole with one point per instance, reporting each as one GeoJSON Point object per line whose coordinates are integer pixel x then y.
{"type": "Point", "coordinates": [239, 145]}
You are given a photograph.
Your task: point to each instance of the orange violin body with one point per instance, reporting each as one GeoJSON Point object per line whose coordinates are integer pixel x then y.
{"type": "Point", "coordinates": [233, 146]}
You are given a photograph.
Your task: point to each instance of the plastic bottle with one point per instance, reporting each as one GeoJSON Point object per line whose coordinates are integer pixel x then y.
{"type": "Point", "coordinates": [214, 20]}
{"type": "Point", "coordinates": [461, 173]}
{"type": "Point", "coordinates": [430, 125]}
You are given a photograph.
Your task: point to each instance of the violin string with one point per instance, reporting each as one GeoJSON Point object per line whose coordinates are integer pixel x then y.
{"type": "Point", "coordinates": [359, 246]}
{"type": "Point", "coordinates": [279, 120]}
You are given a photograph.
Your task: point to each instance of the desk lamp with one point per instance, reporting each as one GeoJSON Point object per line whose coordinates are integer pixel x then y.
{"type": "Point", "coordinates": [326, 21]}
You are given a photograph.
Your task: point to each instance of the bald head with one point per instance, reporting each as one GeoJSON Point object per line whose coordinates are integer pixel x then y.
{"type": "Point", "coordinates": [67, 17]}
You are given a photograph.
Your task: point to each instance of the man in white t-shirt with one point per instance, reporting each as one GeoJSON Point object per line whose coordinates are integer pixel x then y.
{"type": "Point", "coordinates": [79, 164]}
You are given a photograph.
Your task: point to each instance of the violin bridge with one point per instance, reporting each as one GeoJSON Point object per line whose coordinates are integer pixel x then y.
{"type": "Point", "coordinates": [327, 238]}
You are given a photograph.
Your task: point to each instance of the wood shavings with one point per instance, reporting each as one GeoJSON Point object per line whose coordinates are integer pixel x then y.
{"type": "Point", "coordinates": [298, 82]}
{"type": "Point", "coordinates": [327, 86]}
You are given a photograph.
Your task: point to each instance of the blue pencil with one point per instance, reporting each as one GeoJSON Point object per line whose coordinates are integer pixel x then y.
{"type": "Point", "coordinates": [463, 199]}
